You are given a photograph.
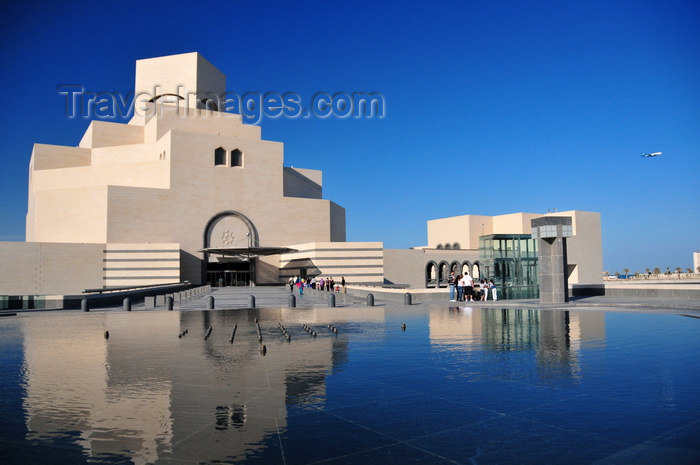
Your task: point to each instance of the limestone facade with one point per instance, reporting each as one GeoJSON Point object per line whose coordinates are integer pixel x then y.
{"type": "Point", "coordinates": [135, 204]}
{"type": "Point", "coordinates": [357, 262]}
{"type": "Point", "coordinates": [163, 177]}
{"type": "Point", "coordinates": [453, 243]}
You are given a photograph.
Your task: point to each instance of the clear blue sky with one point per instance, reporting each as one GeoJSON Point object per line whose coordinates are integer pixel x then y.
{"type": "Point", "coordinates": [492, 107]}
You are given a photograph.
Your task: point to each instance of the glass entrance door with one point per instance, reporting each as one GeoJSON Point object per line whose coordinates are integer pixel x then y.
{"type": "Point", "coordinates": [242, 278]}
{"type": "Point", "coordinates": [228, 274]}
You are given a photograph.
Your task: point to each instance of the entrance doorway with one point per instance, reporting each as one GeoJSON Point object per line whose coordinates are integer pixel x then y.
{"type": "Point", "coordinates": [228, 274]}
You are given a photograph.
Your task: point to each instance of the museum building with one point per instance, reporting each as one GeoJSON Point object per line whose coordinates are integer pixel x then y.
{"type": "Point", "coordinates": [185, 192]}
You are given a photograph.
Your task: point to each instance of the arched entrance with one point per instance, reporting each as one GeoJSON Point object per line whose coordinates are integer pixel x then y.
{"type": "Point", "coordinates": [443, 273]}
{"type": "Point", "coordinates": [431, 274]}
{"type": "Point", "coordinates": [230, 229]}
{"type": "Point", "coordinates": [476, 270]}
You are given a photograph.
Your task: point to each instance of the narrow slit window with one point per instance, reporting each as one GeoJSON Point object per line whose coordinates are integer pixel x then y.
{"type": "Point", "coordinates": [220, 157]}
{"type": "Point", "coordinates": [236, 158]}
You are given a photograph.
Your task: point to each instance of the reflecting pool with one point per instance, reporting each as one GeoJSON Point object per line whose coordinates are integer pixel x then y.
{"type": "Point", "coordinates": [454, 385]}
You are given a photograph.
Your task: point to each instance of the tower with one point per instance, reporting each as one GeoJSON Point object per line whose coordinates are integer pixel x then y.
{"type": "Point", "coordinates": [187, 79]}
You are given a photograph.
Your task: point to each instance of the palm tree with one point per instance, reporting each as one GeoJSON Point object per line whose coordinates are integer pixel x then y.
{"type": "Point", "coordinates": [668, 270]}
{"type": "Point", "coordinates": [648, 273]}
{"type": "Point", "coordinates": [678, 270]}
{"type": "Point", "coordinates": [689, 270]}
{"type": "Point", "coordinates": [627, 273]}
{"type": "Point", "coordinates": [657, 271]}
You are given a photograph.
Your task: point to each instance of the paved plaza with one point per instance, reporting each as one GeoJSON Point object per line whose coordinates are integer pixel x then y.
{"type": "Point", "coordinates": [278, 297]}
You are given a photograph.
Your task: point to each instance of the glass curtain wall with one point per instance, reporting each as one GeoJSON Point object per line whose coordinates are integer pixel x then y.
{"type": "Point", "coordinates": [511, 261]}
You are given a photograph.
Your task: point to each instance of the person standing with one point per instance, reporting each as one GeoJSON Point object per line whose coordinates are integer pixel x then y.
{"type": "Point", "coordinates": [342, 283]}
{"type": "Point", "coordinates": [469, 287]}
{"type": "Point", "coordinates": [460, 287]}
{"type": "Point", "coordinates": [494, 291]}
{"type": "Point", "coordinates": [451, 285]}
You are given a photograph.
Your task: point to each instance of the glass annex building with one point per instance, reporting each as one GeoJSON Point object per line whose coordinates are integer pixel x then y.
{"type": "Point", "coordinates": [511, 261]}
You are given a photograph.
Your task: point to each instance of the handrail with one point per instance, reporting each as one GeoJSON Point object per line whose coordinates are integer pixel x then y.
{"type": "Point", "coordinates": [117, 289]}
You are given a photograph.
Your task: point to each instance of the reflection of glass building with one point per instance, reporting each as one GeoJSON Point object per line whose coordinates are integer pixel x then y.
{"type": "Point", "coordinates": [511, 261]}
{"type": "Point", "coordinates": [510, 329]}
{"type": "Point", "coordinates": [553, 339]}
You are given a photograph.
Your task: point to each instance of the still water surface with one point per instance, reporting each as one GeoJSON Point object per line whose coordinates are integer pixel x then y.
{"type": "Point", "coordinates": [457, 385]}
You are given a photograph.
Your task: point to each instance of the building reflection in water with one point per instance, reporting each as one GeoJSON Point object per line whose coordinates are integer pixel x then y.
{"type": "Point", "coordinates": [146, 394]}
{"type": "Point", "coordinates": [100, 394]}
{"type": "Point", "coordinates": [553, 337]}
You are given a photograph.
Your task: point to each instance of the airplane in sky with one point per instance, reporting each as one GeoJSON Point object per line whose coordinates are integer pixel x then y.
{"type": "Point", "coordinates": [647, 155]}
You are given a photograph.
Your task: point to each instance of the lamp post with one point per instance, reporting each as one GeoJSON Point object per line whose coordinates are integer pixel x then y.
{"type": "Point", "coordinates": [250, 267]}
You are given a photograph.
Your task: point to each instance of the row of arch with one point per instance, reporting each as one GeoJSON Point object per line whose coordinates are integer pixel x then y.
{"type": "Point", "coordinates": [449, 246]}
{"type": "Point", "coordinates": [436, 274]}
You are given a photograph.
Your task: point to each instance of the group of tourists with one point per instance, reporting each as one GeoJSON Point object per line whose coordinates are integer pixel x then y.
{"type": "Point", "coordinates": [466, 290]}
{"type": "Point", "coordinates": [321, 284]}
